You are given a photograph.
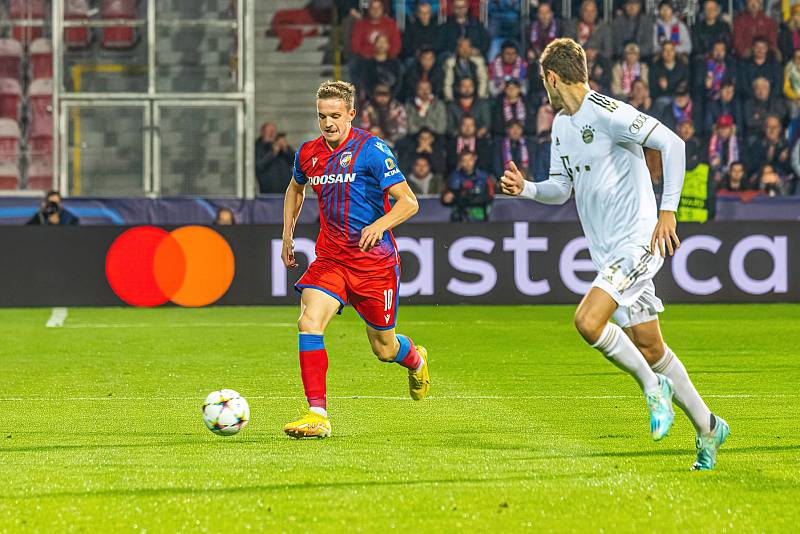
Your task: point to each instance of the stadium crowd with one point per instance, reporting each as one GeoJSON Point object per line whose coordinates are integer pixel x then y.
{"type": "Point", "coordinates": [460, 99]}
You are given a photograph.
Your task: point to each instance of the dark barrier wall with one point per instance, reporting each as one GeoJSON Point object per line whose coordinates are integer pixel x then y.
{"type": "Point", "coordinates": [513, 263]}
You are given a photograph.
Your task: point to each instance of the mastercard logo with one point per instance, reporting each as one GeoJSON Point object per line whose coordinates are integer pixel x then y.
{"type": "Point", "coordinates": [190, 266]}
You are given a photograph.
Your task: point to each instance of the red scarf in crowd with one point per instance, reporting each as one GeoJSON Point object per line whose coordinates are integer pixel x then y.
{"type": "Point", "coordinates": [523, 152]}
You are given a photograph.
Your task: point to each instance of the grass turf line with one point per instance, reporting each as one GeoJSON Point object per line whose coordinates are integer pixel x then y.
{"type": "Point", "coordinates": [556, 450]}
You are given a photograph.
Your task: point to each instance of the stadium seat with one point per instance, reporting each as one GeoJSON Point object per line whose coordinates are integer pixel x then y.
{"type": "Point", "coordinates": [10, 99]}
{"type": "Point", "coordinates": [9, 176]}
{"type": "Point", "coordinates": [118, 36]}
{"type": "Point", "coordinates": [9, 141]}
{"type": "Point", "coordinates": [76, 38]}
{"type": "Point", "coordinates": [40, 109]}
{"type": "Point", "coordinates": [10, 58]}
{"type": "Point", "coordinates": [41, 63]}
{"type": "Point", "coordinates": [32, 10]}
{"type": "Point", "coordinates": [40, 173]}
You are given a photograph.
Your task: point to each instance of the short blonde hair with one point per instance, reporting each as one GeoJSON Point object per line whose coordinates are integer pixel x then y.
{"type": "Point", "coordinates": [566, 58]}
{"type": "Point", "coordinates": [337, 89]}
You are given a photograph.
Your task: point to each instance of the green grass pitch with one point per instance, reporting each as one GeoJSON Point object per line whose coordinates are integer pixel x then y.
{"type": "Point", "coordinates": [526, 427]}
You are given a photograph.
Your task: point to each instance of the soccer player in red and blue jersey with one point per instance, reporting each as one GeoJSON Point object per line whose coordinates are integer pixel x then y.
{"type": "Point", "coordinates": [353, 174]}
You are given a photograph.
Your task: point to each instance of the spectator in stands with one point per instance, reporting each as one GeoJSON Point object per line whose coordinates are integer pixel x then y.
{"type": "Point", "coordinates": [791, 84]}
{"type": "Point", "coordinates": [540, 144]}
{"type": "Point", "coordinates": [468, 104]}
{"type": "Point", "coordinates": [467, 139]}
{"type": "Point", "coordinates": [750, 25]}
{"type": "Point", "coordinates": [667, 72]}
{"type": "Point", "coordinates": [426, 111]}
{"type": "Point", "coordinates": [771, 149]}
{"type": "Point", "coordinates": [627, 71]}
{"type": "Point", "coordinates": [770, 182]}
{"type": "Point", "coordinates": [385, 112]}
{"type": "Point", "coordinates": [759, 106]}
{"type": "Point", "coordinates": [459, 26]}
{"type": "Point", "coordinates": [795, 163]}
{"type": "Point", "coordinates": [789, 38]}
{"type": "Point", "coordinates": [273, 163]}
{"type": "Point", "coordinates": [507, 65]}
{"type": "Point", "coordinates": [465, 64]}
{"type": "Point", "coordinates": [504, 23]}
{"type": "Point", "coordinates": [640, 97]}
{"type": "Point", "coordinates": [422, 32]}
{"type": "Point", "coordinates": [710, 30]}
{"type": "Point", "coordinates": [425, 68]}
{"type": "Point", "coordinates": [679, 108]}
{"type": "Point", "coordinates": [599, 69]}
{"type": "Point", "coordinates": [513, 147]}
{"type": "Point", "coordinates": [712, 71]}
{"type": "Point", "coordinates": [695, 151]}
{"type": "Point", "coordinates": [424, 144]}
{"type": "Point", "coordinates": [382, 69]}
{"type": "Point", "coordinates": [632, 26]}
{"type": "Point", "coordinates": [723, 148]}
{"type": "Point", "coordinates": [543, 30]}
{"type": "Point", "coordinates": [511, 106]}
{"type": "Point", "coordinates": [727, 104]}
{"type": "Point", "coordinates": [53, 213]}
{"type": "Point", "coordinates": [587, 30]}
{"type": "Point", "coordinates": [366, 30]}
{"type": "Point", "coordinates": [760, 65]}
{"type": "Point", "coordinates": [667, 28]}
{"type": "Point", "coordinates": [224, 218]}
{"type": "Point", "coordinates": [422, 181]}
{"type": "Point", "coordinates": [470, 191]}
{"type": "Point", "coordinates": [734, 182]}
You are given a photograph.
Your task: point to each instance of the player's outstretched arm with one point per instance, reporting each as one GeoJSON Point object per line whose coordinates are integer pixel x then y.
{"type": "Point", "coordinates": [292, 203]}
{"type": "Point", "coordinates": [405, 207]}
{"type": "Point", "coordinates": [555, 190]}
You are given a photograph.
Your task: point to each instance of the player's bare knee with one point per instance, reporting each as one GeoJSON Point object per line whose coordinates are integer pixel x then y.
{"type": "Point", "coordinates": [588, 326]}
{"type": "Point", "coordinates": [308, 324]}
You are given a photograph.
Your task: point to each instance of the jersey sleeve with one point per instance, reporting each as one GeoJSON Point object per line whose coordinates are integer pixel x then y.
{"type": "Point", "coordinates": [383, 165]}
{"type": "Point", "coordinates": [629, 125]}
{"type": "Point", "coordinates": [297, 173]}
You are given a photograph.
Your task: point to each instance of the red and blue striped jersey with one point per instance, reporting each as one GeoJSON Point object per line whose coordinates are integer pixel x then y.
{"type": "Point", "coordinates": [351, 184]}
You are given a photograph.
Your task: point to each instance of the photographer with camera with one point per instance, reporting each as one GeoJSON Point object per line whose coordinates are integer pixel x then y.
{"type": "Point", "coordinates": [53, 213]}
{"type": "Point", "coordinates": [470, 191]}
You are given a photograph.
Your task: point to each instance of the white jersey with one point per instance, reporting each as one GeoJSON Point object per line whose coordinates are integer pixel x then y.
{"type": "Point", "coordinates": [598, 152]}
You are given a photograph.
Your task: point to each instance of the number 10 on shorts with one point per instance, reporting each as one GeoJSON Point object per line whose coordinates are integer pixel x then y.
{"type": "Point", "coordinates": [388, 297]}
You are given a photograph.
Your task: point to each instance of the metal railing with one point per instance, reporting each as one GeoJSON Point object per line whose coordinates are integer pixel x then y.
{"type": "Point", "coordinates": [68, 103]}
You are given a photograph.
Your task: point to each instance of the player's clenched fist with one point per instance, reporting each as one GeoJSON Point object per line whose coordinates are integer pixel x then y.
{"type": "Point", "coordinates": [512, 181]}
{"type": "Point", "coordinates": [287, 252]}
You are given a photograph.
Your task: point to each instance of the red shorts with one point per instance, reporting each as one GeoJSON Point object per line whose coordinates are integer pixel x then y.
{"type": "Point", "coordinates": [372, 294]}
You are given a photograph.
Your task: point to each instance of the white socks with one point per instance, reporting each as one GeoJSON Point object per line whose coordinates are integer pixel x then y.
{"type": "Point", "coordinates": [686, 395]}
{"type": "Point", "coordinates": [621, 351]}
{"type": "Point", "coordinates": [319, 411]}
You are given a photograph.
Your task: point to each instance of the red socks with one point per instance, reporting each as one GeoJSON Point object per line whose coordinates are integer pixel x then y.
{"type": "Point", "coordinates": [313, 369]}
{"type": "Point", "coordinates": [407, 355]}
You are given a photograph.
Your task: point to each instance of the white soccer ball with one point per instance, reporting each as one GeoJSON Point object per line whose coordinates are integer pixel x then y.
{"type": "Point", "coordinates": [225, 412]}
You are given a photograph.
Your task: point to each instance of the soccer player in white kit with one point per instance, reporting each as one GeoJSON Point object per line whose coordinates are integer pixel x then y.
{"type": "Point", "coordinates": [596, 149]}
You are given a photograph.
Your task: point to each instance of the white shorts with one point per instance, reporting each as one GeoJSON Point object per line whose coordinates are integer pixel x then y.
{"type": "Point", "coordinates": [629, 281]}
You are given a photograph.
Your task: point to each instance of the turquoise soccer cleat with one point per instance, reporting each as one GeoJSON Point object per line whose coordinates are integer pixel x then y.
{"type": "Point", "coordinates": [709, 444]}
{"type": "Point", "coordinates": [659, 402]}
